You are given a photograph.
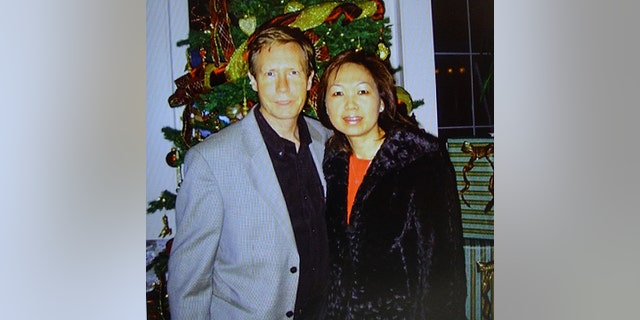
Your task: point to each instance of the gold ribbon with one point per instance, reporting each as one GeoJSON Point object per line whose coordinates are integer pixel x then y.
{"type": "Point", "coordinates": [309, 18]}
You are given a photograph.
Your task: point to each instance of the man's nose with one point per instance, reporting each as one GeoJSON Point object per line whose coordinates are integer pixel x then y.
{"type": "Point", "coordinates": [282, 84]}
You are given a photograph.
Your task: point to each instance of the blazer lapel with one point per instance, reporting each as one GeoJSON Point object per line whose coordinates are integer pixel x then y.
{"type": "Point", "coordinates": [262, 175]}
{"type": "Point", "coordinates": [317, 152]}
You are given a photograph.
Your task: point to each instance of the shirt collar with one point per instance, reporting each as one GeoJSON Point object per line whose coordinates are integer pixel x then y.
{"type": "Point", "coordinates": [272, 137]}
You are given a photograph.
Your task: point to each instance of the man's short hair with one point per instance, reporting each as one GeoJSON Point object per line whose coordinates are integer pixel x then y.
{"type": "Point", "coordinates": [268, 36]}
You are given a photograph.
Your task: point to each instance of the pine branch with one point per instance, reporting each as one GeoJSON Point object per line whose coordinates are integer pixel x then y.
{"type": "Point", "coordinates": [166, 201]}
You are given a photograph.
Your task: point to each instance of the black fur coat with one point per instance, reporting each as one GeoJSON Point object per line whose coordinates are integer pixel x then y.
{"type": "Point", "coordinates": [402, 255]}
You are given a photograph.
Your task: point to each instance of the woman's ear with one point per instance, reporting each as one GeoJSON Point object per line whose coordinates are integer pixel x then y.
{"type": "Point", "coordinates": [252, 82]}
{"type": "Point", "coordinates": [381, 105]}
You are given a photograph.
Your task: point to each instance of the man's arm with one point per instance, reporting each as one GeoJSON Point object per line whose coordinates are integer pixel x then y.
{"type": "Point", "coordinates": [198, 225]}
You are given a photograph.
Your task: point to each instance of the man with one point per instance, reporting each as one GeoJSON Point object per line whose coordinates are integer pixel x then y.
{"type": "Point", "coordinates": [250, 238]}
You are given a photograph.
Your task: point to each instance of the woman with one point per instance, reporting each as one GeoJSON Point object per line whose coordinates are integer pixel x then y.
{"type": "Point", "coordinates": [394, 222]}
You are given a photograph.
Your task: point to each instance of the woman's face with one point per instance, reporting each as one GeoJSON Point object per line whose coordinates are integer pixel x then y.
{"type": "Point", "coordinates": [353, 103]}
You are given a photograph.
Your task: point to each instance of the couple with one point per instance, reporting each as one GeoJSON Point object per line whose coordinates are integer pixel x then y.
{"type": "Point", "coordinates": [256, 237]}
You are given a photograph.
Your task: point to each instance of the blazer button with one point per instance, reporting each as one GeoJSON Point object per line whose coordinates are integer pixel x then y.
{"type": "Point", "coordinates": [289, 314]}
{"type": "Point", "coordinates": [293, 269]}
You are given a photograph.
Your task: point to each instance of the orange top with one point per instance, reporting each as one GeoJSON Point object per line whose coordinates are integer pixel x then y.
{"type": "Point", "coordinates": [357, 169]}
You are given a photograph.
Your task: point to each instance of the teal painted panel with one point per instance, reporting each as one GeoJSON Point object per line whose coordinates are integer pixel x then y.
{"type": "Point", "coordinates": [475, 196]}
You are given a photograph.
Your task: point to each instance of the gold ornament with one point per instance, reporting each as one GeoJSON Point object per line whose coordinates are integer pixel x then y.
{"type": "Point", "coordinates": [383, 51]}
{"type": "Point", "coordinates": [359, 46]}
{"type": "Point", "coordinates": [166, 231]}
{"type": "Point", "coordinates": [293, 6]}
{"type": "Point", "coordinates": [245, 105]}
{"type": "Point", "coordinates": [233, 112]}
{"type": "Point", "coordinates": [404, 97]}
{"type": "Point", "coordinates": [247, 24]}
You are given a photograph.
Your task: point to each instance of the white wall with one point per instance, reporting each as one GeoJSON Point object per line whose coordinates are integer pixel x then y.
{"type": "Point", "coordinates": [167, 23]}
{"type": "Point", "coordinates": [413, 50]}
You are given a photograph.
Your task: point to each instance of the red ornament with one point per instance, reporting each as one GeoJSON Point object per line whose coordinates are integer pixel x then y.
{"type": "Point", "coordinates": [172, 158]}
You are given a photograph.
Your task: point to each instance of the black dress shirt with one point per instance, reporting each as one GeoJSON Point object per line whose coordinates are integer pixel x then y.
{"type": "Point", "coordinates": [304, 195]}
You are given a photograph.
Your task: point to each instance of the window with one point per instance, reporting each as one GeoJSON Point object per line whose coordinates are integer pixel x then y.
{"type": "Point", "coordinates": [463, 48]}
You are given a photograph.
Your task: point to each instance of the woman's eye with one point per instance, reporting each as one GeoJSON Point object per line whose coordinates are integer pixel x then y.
{"type": "Point", "coordinates": [270, 73]}
{"type": "Point", "coordinates": [337, 93]}
{"type": "Point", "coordinates": [363, 91]}
{"type": "Point", "coordinates": [295, 72]}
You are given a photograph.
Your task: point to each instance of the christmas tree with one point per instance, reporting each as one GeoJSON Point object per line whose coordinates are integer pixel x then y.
{"type": "Point", "coordinates": [214, 92]}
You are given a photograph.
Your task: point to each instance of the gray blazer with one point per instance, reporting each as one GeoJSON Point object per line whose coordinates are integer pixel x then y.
{"type": "Point", "coordinates": [234, 247]}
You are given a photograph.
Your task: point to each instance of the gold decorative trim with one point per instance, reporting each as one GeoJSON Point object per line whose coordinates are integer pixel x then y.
{"type": "Point", "coordinates": [486, 271]}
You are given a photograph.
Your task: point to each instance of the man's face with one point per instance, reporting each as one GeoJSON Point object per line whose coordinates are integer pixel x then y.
{"type": "Point", "coordinates": [281, 82]}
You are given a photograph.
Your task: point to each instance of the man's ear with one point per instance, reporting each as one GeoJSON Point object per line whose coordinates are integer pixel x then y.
{"type": "Point", "coordinates": [310, 81]}
{"type": "Point", "coordinates": [252, 81]}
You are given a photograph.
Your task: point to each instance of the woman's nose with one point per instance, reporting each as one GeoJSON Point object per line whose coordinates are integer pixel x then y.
{"type": "Point", "coordinates": [350, 103]}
